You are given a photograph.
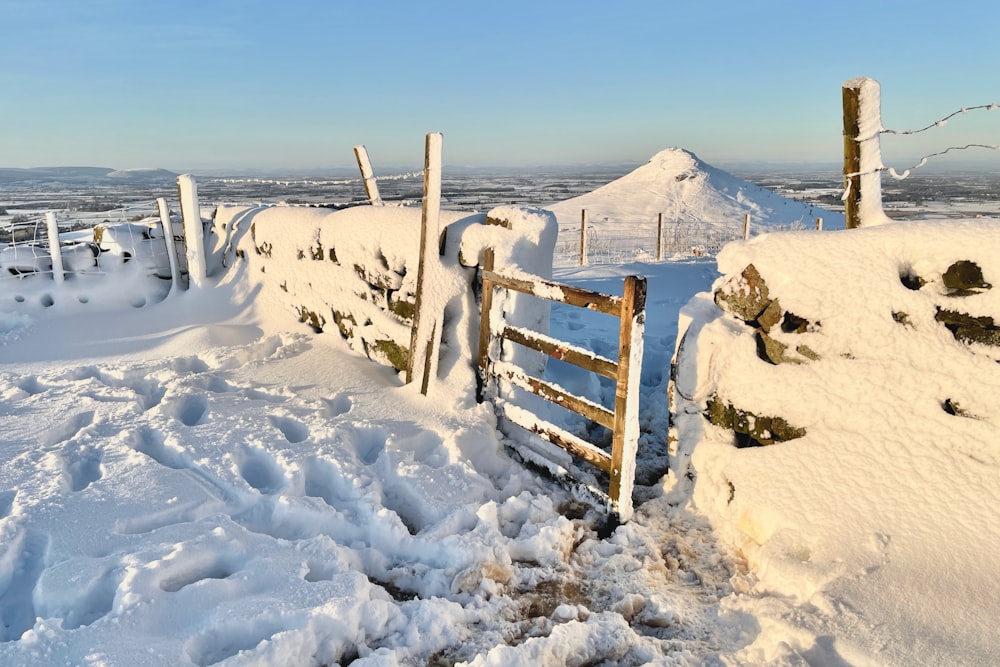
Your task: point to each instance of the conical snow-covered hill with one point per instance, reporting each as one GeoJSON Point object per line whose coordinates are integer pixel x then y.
{"type": "Point", "coordinates": [684, 189]}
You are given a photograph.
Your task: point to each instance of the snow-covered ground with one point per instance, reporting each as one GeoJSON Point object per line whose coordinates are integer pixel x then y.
{"type": "Point", "coordinates": [198, 481]}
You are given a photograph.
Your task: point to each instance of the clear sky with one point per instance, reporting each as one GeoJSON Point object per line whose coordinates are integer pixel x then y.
{"type": "Point", "coordinates": [197, 84]}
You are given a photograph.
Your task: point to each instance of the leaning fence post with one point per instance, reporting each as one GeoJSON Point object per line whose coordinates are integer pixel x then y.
{"type": "Point", "coordinates": [746, 226]}
{"type": "Point", "coordinates": [55, 252]}
{"type": "Point", "coordinates": [583, 236]}
{"type": "Point", "coordinates": [168, 237]}
{"type": "Point", "coordinates": [194, 232]}
{"type": "Point", "coordinates": [365, 165]}
{"type": "Point", "coordinates": [862, 153]}
{"type": "Point", "coordinates": [426, 318]}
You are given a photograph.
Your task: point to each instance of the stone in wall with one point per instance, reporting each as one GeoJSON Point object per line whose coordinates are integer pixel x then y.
{"type": "Point", "coordinates": [751, 430]}
{"type": "Point", "coordinates": [748, 298]}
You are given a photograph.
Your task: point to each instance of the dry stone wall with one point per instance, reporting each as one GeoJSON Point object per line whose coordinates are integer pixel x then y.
{"type": "Point", "coordinates": [354, 271]}
{"type": "Point", "coordinates": [792, 309]}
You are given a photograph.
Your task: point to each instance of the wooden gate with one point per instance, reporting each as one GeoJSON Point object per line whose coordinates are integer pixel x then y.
{"type": "Point", "coordinates": [619, 465]}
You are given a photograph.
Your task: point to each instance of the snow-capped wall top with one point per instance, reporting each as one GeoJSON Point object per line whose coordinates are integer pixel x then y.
{"type": "Point", "coordinates": [678, 184]}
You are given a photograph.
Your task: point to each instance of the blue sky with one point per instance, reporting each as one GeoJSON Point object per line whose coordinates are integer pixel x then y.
{"type": "Point", "coordinates": [199, 84]}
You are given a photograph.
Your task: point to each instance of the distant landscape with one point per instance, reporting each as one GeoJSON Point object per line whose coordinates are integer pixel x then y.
{"type": "Point", "coordinates": [934, 191]}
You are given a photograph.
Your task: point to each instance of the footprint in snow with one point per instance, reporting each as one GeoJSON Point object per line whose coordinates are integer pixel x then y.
{"type": "Point", "coordinates": [84, 468]}
{"type": "Point", "coordinates": [368, 442]}
{"type": "Point", "coordinates": [336, 406]}
{"type": "Point", "coordinates": [324, 479]}
{"type": "Point", "coordinates": [31, 386]}
{"type": "Point", "coordinates": [230, 638]}
{"type": "Point", "coordinates": [260, 469]}
{"type": "Point", "coordinates": [195, 568]}
{"type": "Point", "coordinates": [189, 410]}
{"type": "Point", "coordinates": [294, 431]}
{"type": "Point", "coordinates": [151, 442]}
{"type": "Point", "coordinates": [7, 502]}
{"type": "Point", "coordinates": [25, 554]}
{"type": "Point", "coordinates": [67, 430]}
{"type": "Point", "coordinates": [79, 591]}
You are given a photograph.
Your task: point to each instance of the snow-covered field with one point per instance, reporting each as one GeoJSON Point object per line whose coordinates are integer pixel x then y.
{"type": "Point", "coordinates": [198, 481]}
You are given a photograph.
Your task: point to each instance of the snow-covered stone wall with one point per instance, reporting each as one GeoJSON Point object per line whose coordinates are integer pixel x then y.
{"type": "Point", "coordinates": [796, 310]}
{"type": "Point", "coordinates": [355, 270]}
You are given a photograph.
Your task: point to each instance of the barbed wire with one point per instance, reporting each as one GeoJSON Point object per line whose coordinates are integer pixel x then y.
{"type": "Point", "coordinates": [313, 181]}
{"type": "Point", "coordinates": [943, 121]}
{"type": "Point", "coordinates": [906, 172]}
{"type": "Point", "coordinates": [923, 160]}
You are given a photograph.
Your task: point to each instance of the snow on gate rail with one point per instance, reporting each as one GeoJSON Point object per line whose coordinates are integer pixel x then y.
{"type": "Point", "coordinates": [619, 465]}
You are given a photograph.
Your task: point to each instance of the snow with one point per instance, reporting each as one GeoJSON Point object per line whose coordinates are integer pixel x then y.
{"type": "Point", "coordinates": [202, 480]}
{"type": "Point", "coordinates": [676, 183]}
{"type": "Point", "coordinates": [875, 523]}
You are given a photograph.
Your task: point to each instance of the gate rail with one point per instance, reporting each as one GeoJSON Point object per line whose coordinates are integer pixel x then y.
{"type": "Point", "coordinates": [623, 421]}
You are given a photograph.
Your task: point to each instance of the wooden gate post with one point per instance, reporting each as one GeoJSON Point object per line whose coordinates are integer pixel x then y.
{"type": "Point", "coordinates": [625, 440]}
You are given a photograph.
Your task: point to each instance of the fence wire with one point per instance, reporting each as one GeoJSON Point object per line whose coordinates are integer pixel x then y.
{"type": "Point", "coordinates": [88, 246]}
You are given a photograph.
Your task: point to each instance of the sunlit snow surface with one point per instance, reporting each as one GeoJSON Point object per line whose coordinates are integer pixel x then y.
{"type": "Point", "coordinates": [195, 482]}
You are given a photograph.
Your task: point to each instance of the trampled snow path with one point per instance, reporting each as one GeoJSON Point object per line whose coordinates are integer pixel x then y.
{"type": "Point", "coordinates": [260, 497]}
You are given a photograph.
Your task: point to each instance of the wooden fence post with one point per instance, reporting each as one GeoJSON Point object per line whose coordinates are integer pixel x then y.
{"type": "Point", "coordinates": [365, 165]}
{"type": "Point", "coordinates": [55, 251]}
{"type": "Point", "coordinates": [583, 237]}
{"type": "Point", "coordinates": [426, 317]}
{"type": "Point", "coordinates": [168, 237]}
{"type": "Point", "coordinates": [194, 232]}
{"type": "Point", "coordinates": [659, 238]}
{"type": "Point", "coordinates": [819, 224]}
{"type": "Point", "coordinates": [485, 332]}
{"type": "Point", "coordinates": [862, 153]}
{"type": "Point", "coordinates": [746, 226]}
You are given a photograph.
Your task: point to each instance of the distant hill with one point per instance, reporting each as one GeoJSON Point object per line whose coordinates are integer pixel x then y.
{"type": "Point", "coordinates": [77, 175]}
{"type": "Point", "coordinates": [143, 175]}
{"type": "Point", "coordinates": [682, 187]}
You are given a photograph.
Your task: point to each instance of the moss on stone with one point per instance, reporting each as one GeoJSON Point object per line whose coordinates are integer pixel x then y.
{"type": "Point", "coordinates": [388, 350]}
{"type": "Point", "coordinates": [751, 430]}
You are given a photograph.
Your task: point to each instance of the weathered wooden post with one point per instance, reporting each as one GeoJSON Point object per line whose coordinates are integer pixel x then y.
{"type": "Point", "coordinates": [168, 237]}
{"type": "Point", "coordinates": [194, 232]}
{"type": "Point", "coordinates": [862, 153]}
{"type": "Point", "coordinates": [583, 237]}
{"type": "Point", "coordinates": [625, 439]}
{"type": "Point", "coordinates": [819, 224]}
{"type": "Point", "coordinates": [659, 237]}
{"type": "Point", "coordinates": [746, 226]}
{"type": "Point", "coordinates": [55, 251]}
{"type": "Point", "coordinates": [365, 165]}
{"type": "Point", "coordinates": [427, 312]}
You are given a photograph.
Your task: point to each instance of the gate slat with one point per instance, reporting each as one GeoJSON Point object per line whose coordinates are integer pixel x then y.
{"type": "Point", "coordinates": [576, 446]}
{"type": "Point", "coordinates": [563, 351]}
{"type": "Point", "coordinates": [551, 392]}
{"type": "Point", "coordinates": [546, 289]}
